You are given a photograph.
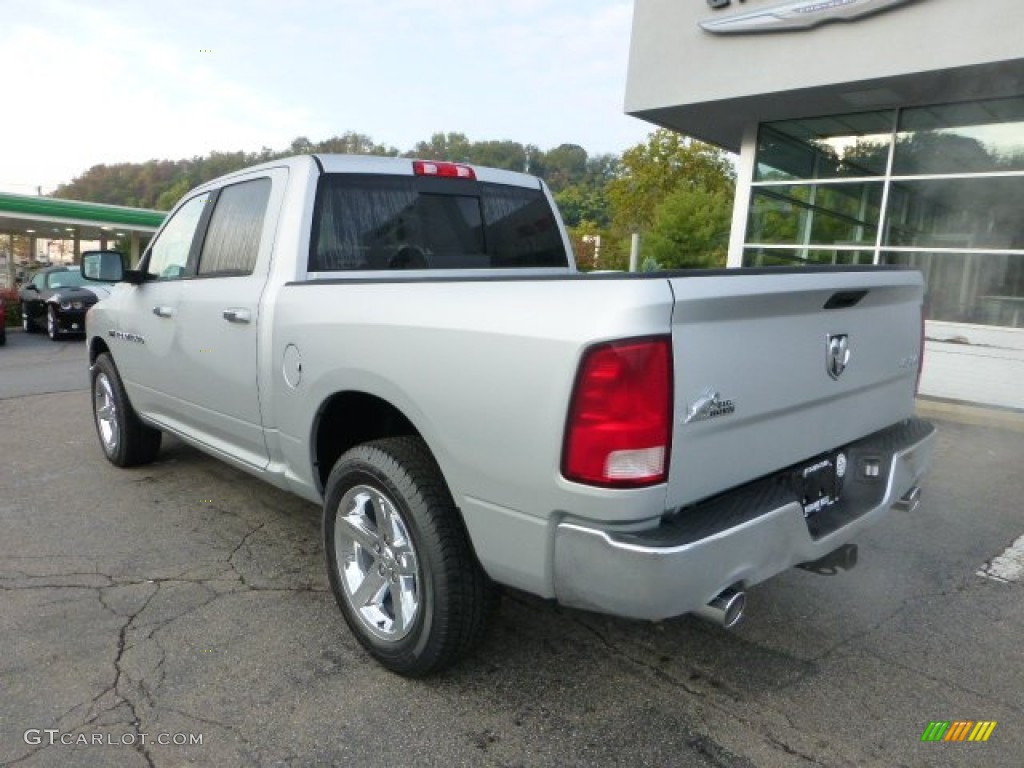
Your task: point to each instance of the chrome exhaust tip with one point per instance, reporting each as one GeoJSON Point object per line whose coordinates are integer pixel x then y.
{"type": "Point", "coordinates": [911, 500]}
{"type": "Point", "coordinates": [726, 610]}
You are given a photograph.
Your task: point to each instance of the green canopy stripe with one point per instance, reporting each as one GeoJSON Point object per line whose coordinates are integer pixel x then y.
{"type": "Point", "coordinates": [107, 214]}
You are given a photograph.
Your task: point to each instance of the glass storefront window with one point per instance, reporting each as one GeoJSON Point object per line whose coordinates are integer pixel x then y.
{"type": "Point", "coordinates": [825, 147]}
{"type": "Point", "coordinates": [979, 288]}
{"type": "Point", "coordinates": [815, 214]}
{"type": "Point", "coordinates": [796, 257]}
{"type": "Point", "coordinates": [976, 137]}
{"type": "Point", "coordinates": [983, 212]}
{"type": "Point", "coordinates": [818, 186]}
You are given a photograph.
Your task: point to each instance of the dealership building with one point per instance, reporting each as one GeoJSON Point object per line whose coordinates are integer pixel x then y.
{"type": "Point", "coordinates": [868, 132]}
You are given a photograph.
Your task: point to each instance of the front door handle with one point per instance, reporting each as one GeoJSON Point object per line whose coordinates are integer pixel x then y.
{"type": "Point", "coordinates": [163, 311]}
{"type": "Point", "coordinates": [237, 315]}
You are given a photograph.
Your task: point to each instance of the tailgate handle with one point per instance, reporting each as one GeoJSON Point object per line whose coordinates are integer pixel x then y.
{"type": "Point", "coordinates": [844, 299]}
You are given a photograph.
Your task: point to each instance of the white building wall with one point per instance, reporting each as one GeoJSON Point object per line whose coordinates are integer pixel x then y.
{"type": "Point", "coordinates": [974, 364]}
{"type": "Point", "coordinates": [719, 88]}
{"type": "Point", "coordinates": [710, 86]}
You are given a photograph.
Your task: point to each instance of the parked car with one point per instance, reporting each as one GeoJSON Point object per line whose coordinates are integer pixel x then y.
{"type": "Point", "coordinates": [56, 299]}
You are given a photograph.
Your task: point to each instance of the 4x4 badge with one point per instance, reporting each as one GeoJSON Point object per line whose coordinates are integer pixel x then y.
{"type": "Point", "coordinates": [838, 354]}
{"type": "Point", "coordinates": [709, 405]}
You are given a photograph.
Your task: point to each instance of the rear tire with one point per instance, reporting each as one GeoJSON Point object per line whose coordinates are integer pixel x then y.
{"type": "Point", "coordinates": [125, 440]}
{"type": "Point", "coordinates": [399, 559]}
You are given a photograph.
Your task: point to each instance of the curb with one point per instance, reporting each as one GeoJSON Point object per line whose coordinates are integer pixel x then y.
{"type": "Point", "coordinates": [969, 413]}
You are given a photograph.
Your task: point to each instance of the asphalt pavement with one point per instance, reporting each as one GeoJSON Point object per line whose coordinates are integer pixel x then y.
{"type": "Point", "coordinates": [32, 364]}
{"type": "Point", "coordinates": [187, 602]}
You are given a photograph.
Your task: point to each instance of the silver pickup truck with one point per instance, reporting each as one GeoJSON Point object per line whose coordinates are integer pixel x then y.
{"type": "Point", "coordinates": [409, 345]}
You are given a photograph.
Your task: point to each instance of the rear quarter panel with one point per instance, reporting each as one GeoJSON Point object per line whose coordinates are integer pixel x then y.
{"type": "Point", "coordinates": [484, 370]}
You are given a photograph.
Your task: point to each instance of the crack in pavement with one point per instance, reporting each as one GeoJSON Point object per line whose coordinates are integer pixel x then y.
{"type": "Point", "coordinates": [720, 697]}
{"type": "Point", "coordinates": [130, 700]}
{"type": "Point", "coordinates": [119, 673]}
{"type": "Point", "coordinates": [243, 542]}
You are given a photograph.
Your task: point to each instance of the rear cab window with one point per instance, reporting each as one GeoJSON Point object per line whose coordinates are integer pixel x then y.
{"type": "Point", "coordinates": [370, 222]}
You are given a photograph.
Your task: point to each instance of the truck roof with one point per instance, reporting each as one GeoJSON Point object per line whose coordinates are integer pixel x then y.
{"type": "Point", "coordinates": [396, 166]}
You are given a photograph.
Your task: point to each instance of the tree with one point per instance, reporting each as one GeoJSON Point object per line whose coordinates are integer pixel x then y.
{"type": "Point", "coordinates": [579, 203]}
{"type": "Point", "coordinates": [352, 143]}
{"type": "Point", "coordinates": [650, 172]}
{"type": "Point", "coordinates": [601, 169]}
{"type": "Point", "coordinates": [564, 166]}
{"type": "Point", "coordinates": [301, 146]}
{"type": "Point", "coordinates": [453, 147]}
{"type": "Point", "coordinates": [691, 229]}
{"type": "Point", "coordinates": [173, 194]}
{"type": "Point", "coordinates": [509, 155]}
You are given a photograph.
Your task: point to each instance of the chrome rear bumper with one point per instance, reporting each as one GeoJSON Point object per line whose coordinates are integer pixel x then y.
{"type": "Point", "coordinates": [737, 539]}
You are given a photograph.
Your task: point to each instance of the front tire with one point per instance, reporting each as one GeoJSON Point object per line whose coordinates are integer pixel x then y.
{"type": "Point", "coordinates": [26, 321]}
{"type": "Point", "coordinates": [399, 559]}
{"type": "Point", "coordinates": [125, 440]}
{"type": "Point", "coordinates": [52, 325]}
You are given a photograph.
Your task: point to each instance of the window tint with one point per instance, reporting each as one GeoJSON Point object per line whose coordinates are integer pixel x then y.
{"type": "Point", "coordinates": [68, 278]}
{"type": "Point", "coordinates": [521, 232]}
{"type": "Point", "coordinates": [233, 238]}
{"type": "Point", "coordinates": [168, 256]}
{"type": "Point", "coordinates": [366, 222]}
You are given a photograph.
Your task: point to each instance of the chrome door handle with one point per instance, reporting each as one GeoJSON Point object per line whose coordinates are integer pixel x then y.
{"type": "Point", "coordinates": [163, 311]}
{"type": "Point", "coordinates": [237, 315]}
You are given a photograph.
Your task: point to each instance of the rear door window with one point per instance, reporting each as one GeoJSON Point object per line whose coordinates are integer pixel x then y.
{"type": "Point", "coordinates": [364, 222]}
{"type": "Point", "coordinates": [232, 240]}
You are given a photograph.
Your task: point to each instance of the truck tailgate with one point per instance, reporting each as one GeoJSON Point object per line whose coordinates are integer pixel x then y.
{"type": "Point", "coordinates": [752, 359]}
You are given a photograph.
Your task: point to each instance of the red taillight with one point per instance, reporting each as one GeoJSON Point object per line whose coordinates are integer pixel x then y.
{"type": "Point", "coordinates": [620, 416]}
{"type": "Point", "coordinates": [445, 170]}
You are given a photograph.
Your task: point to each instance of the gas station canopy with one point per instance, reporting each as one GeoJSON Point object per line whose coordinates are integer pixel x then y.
{"type": "Point", "coordinates": [52, 218]}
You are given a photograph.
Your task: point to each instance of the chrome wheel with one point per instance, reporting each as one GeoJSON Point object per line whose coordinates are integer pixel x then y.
{"type": "Point", "coordinates": [26, 324]}
{"type": "Point", "coordinates": [105, 408]}
{"type": "Point", "coordinates": [376, 563]}
{"type": "Point", "coordinates": [399, 560]}
{"type": "Point", "coordinates": [51, 323]}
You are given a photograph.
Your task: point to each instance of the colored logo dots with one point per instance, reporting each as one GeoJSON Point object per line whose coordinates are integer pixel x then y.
{"type": "Point", "coordinates": [958, 730]}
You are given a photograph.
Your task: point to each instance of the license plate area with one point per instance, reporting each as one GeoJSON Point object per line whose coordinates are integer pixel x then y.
{"type": "Point", "coordinates": [819, 483]}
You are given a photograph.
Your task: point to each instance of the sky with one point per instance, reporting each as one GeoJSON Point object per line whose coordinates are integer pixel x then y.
{"type": "Point", "coordinates": [92, 81]}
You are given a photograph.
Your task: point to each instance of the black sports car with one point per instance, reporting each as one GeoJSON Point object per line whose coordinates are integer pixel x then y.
{"type": "Point", "coordinates": [57, 299]}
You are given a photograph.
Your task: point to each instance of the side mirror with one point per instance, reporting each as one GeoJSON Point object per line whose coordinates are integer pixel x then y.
{"type": "Point", "coordinates": [30, 287]}
{"type": "Point", "coordinates": [105, 266]}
